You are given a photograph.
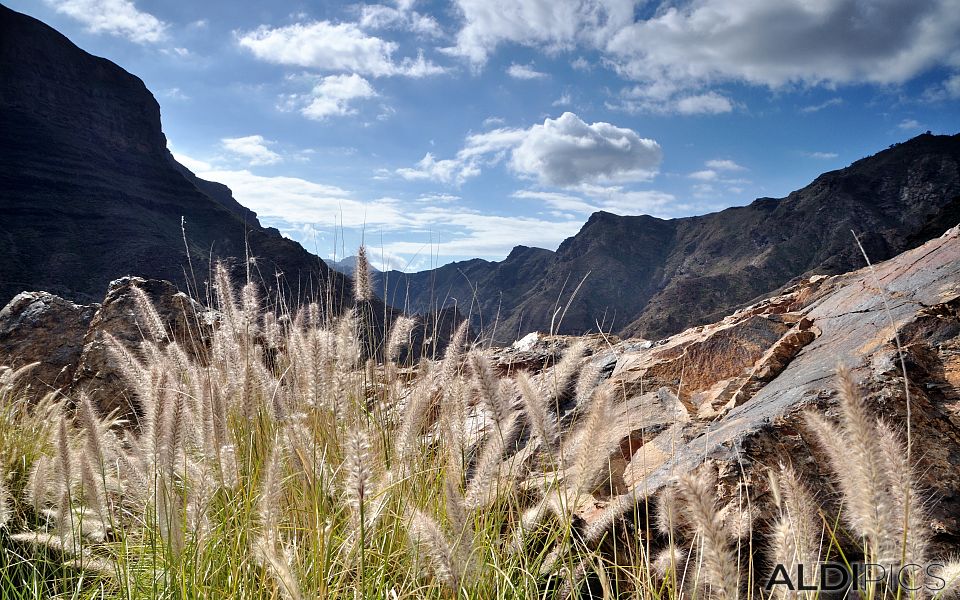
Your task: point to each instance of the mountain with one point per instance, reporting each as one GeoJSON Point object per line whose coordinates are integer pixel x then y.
{"type": "Point", "coordinates": [650, 277]}
{"type": "Point", "coordinates": [89, 191]}
{"type": "Point", "coordinates": [348, 266]}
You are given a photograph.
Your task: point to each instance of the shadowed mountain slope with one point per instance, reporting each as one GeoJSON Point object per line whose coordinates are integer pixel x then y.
{"type": "Point", "coordinates": [89, 191]}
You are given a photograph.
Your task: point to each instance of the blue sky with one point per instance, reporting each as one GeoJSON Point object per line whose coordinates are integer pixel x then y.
{"type": "Point", "coordinates": [444, 130]}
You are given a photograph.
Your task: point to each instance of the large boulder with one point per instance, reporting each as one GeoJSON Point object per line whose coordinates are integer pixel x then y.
{"type": "Point", "coordinates": [44, 328]}
{"type": "Point", "coordinates": [98, 372]}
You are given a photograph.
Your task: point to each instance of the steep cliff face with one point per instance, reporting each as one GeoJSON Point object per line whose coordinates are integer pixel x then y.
{"type": "Point", "coordinates": [89, 191]}
{"type": "Point", "coordinates": [651, 277]}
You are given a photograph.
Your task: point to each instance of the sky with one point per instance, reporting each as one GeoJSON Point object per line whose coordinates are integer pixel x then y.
{"type": "Point", "coordinates": [436, 131]}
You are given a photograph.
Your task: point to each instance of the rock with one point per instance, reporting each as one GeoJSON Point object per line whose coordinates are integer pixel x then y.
{"type": "Point", "coordinates": [922, 287]}
{"type": "Point", "coordinates": [41, 327]}
{"type": "Point", "coordinates": [97, 372]}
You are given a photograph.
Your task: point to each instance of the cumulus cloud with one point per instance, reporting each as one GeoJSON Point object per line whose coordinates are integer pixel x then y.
{"type": "Point", "coordinates": [328, 46]}
{"type": "Point", "coordinates": [564, 151]}
{"type": "Point", "coordinates": [696, 45]}
{"type": "Point", "coordinates": [114, 17]}
{"type": "Point", "coordinates": [773, 44]}
{"type": "Point", "coordinates": [518, 71]}
{"type": "Point", "coordinates": [332, 96]}
{"type": "Point", "coordinates": [553, 24]}
{"type": "Point", "coordinates": [253, 148]}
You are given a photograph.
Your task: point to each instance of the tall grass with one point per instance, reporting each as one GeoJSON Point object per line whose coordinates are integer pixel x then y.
{"type": "Point", "coordinates": [293, 457]}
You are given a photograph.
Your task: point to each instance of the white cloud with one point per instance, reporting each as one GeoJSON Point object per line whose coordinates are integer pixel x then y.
{"type": "Point", "coordinates": [552, 24]}
{"type": "Point", "coordinates": [492, 121]}
{"type": "Point", "coordinates": [561, 152]}
{"type": "Point", "coordinates": [115, 17]}
{"type": "Point", "coordinates": [252, 148]}
{"type": "Point", "coordinates": [332, 96]}
{"type": "Point", "coordinates": [563, 100]}
{"type": "Point", "coordinates": [174, 93]}
{"type": "Point", "coordinates": [725, 165]}
{"type": "Point", "coordinates": [445, 171]}
{"type": "Point", "coordinates": [612, 199]}
{"type": "Point", "coordinates": [825, 104]}
{"type": "Point", "coordinates": [332, 47]}
{"type": "Point", "coordinates": [794, 41]}
{"type": "Point", "coordinates": [910, 125]}
{"type": "Point", "coordinates": [306, 208]}
{"type": "Point", "coordinates": [696, 45]}
{"type": "Point", "coordinates": [194, 164]}
{"type": "Point", "coordinates": [435, 198]}
{"type": "Point", "coordinates": [710, 103]}
{"type": "Point", "coordinates": [705, 175]}
{"type": "Point", "coordinates": [666, 97]}
{"type": "Point", "coordinates": [518, 71]}
{"type": "Point", "coordinates": [821, 155]}
{"type": "Point", "coordinates": [380, 16]}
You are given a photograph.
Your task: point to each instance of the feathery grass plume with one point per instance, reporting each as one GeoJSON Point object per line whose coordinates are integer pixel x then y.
{"type": "Point", "coordinates": [250, 306]}
{"type": "Point", "coordinates": [6, 510]}
{"type": "Point", "coordinates": [415, 413]}
{"type": "Point", "coordinates": [429, 539]}
{"type": "Point", "coordinates": [399, 337]}
{"type": "Point", "coordinates": [858, 462]}
{"type": "Point", "coordinates": [587, 382]}
{"type": "Point", "coordinates": [486, 479]}
{"type": "Point", "coordinates": [131, 369]}
{"type": "Point", "coordinates": [362, 284]}
{"type": "Point", "coordinates": [226, 296]}
{"type": "Point", "coordinates": [720, 566]}
{"type": "Point", "coordinates": [42, 483]}
{"type": "Point", "coordinates": [908, 515]}
{"type": "Point", "coordinates": [150, 321]}
{"type": "Point", "coordinates": [358, 478]}
{"type": "Point", "coordinates": [950, 574]}
{"type": "Point", "coordinates": [795, 538]}
{"type": "Point", "coordinates": [489, 387]}
{"type": "Point", "coordinates": [558, 380]}
{"type": "Point", "coordinates": [65, 466]}
{"type": "Point", "coordinates": [453, 354]}
{"type": "Point", "coordinates": [589, 452]}
{"type": "Point", "coordinates": [538, 412]}
{"type": "Point", "coordinates": [267, 545]}
{"type": "Point", "coordinates": [670, 520]}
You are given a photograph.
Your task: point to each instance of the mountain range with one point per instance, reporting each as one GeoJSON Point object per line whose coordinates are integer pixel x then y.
{"type": "Point", "coordinates": [649, 277]}
{"type": "Point", "coordinates": [89, 192]}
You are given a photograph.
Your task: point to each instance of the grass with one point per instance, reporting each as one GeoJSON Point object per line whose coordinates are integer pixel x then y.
{"type": "Point", "coordinates": [293, 457]}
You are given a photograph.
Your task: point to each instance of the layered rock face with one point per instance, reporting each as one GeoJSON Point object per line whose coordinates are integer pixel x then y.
{"type": "Point", "coordinates": [650, 277]}
{"type": "Point", "coordinates": [89, 191]}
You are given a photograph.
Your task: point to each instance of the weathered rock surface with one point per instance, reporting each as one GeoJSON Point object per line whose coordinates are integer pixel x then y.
{"type": "Point", "coordinates": [41, 327]}
{"type": "Point", "coordinates": [733, 393]}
